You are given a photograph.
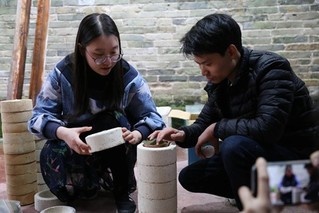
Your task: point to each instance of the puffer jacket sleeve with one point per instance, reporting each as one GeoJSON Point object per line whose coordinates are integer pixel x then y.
{"type": "Point", "coordinates": [208, 115]}
{"type": "Point", "coordinates": [275, 88]}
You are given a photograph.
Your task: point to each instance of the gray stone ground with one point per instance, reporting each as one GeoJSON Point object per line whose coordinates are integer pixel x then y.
{"type": "Point", "coordinates": [187, 202]}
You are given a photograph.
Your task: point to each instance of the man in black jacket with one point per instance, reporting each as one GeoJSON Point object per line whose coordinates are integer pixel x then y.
{"type": "Point", "coordinates": [257, 107]}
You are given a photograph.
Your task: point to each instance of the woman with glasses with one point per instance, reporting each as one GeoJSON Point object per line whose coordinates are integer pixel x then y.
{"type": "Point", "coordinates": [91, 90]}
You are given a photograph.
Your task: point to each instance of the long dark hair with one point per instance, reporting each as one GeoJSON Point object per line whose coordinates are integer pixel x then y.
{"type": "Point", "coordinates": [91, 27]}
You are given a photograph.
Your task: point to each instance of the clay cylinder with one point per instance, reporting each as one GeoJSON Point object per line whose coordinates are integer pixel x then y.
{"type": "Point", "coordinates": [156, 179]}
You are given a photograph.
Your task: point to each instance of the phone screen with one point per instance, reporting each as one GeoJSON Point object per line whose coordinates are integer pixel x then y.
{"type": "Point", "coordinates": [290, 182]}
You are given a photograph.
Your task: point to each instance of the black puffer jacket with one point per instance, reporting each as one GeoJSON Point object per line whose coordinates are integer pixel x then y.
{"type": "Point", "coordinates": [267, 102]}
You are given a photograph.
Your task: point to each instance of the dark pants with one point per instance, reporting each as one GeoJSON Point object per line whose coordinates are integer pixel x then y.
{"type": "Point", "coordinates": [225, 172]}
{"type": "Point", "coordinates": [63, 169]}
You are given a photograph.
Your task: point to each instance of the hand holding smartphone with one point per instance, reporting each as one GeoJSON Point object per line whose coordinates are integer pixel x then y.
{"type": "Point", "coordinates": [261, 202]}
{"type": "Point", "coordinates": [290, 182]}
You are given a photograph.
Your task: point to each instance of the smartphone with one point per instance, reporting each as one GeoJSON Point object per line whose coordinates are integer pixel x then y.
{"type": "Point", "coordinates": [290, 182]}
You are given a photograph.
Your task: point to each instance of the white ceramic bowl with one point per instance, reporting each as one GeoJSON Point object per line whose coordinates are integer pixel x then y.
{"type": "Point", "coordinates": [59, 209]}
{"type": "Point", "coordinates": [45, 199]}
{"type": "Point", "coordinates": [105, 139]}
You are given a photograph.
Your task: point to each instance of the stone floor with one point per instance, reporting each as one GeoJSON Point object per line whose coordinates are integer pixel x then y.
{"type": "Point", "coordinates": [187, 202]}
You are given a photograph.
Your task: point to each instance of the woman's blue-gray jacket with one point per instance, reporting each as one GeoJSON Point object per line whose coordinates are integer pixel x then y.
{"type": "Point", "coordinates": [55, 102]}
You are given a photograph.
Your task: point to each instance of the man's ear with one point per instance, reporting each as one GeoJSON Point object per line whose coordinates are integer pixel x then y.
{"type": "Point", "coordinates": [233, 51]}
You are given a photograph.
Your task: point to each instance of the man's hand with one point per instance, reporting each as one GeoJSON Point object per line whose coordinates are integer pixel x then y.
{"type": "Point", "coordinates": [168, 134]}
{"type": "Point", "coordinates": [207, 136]}
{"type": "Point", "coordinates": [71, 136]}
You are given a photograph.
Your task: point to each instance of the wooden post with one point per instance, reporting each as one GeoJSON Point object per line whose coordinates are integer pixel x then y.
{"type": "Point", "coordinates": [39, 50]}
{"type": "Point", "coordinates": [16, 78]}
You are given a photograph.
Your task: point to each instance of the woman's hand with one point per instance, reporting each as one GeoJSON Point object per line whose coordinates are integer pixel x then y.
{"type": "Point", "coordinates": [71, 136]}
{"type": "Point", "coordinates": [207, 136]}
{"type": "Point", "coordinates": [168, 134]}
{"type": "Point", "coordinates": [133, 137]}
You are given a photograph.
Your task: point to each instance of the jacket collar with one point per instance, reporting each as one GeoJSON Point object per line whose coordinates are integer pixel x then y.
{"type": "Point", "coordinates": [242, 67]}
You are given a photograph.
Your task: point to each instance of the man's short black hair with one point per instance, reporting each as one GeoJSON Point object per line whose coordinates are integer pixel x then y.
{"type": "Point", "coordinates": [212, 34]}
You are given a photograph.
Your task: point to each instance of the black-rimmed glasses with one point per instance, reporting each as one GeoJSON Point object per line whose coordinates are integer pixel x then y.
{"type": "Point", "coordinates": [101, 60]}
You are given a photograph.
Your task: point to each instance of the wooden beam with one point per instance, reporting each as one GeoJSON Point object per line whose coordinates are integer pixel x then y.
{"type": "Point", "coordinates": [16, 78]}
{"type": "Point", "coordinates": [39, 50]}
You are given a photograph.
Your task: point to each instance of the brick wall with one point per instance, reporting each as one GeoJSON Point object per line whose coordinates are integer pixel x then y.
{"type": "Point", "coordinates": [151, 29]}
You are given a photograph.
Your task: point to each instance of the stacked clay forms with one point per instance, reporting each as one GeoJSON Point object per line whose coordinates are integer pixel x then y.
{"type": "Point", "coordinates": [156, 179]}
{"type": "Point", "coordinates": [19, 151]}
{"type": "Point", "coordinates": [39, 143]}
